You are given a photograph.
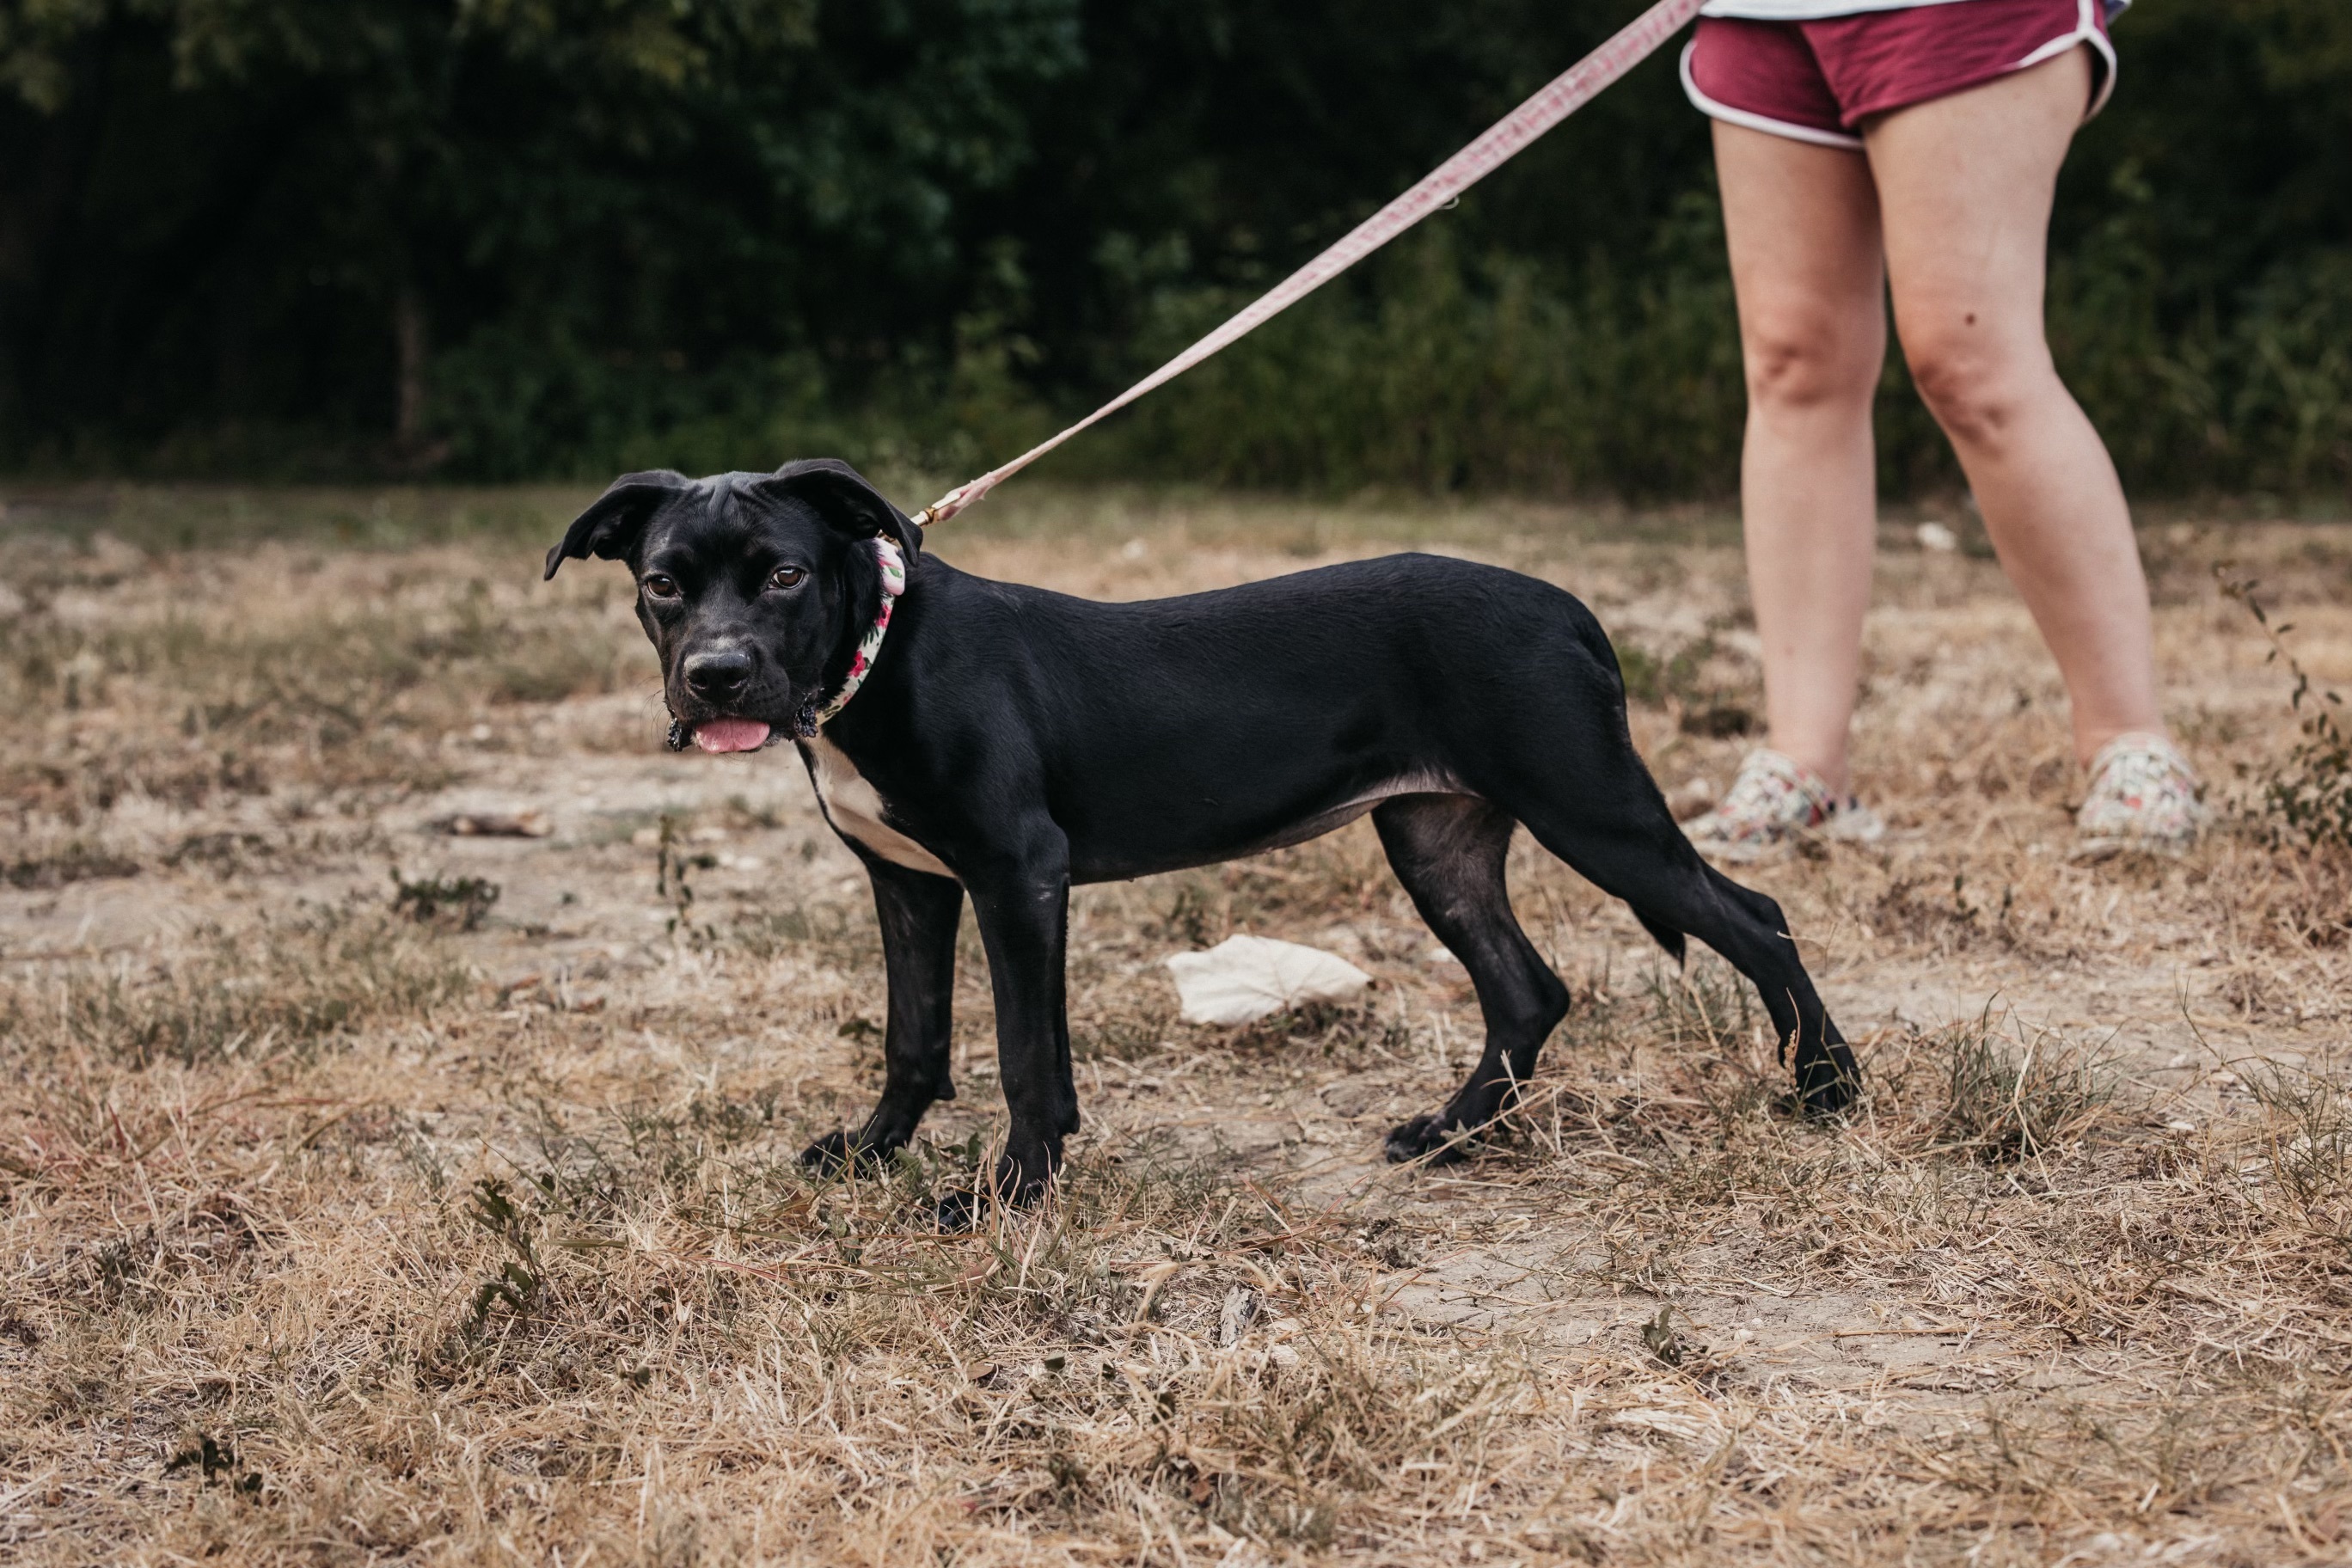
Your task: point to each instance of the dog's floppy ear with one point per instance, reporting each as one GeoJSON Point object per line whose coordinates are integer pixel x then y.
{"type": "Point", "coordinates": [608, 528]}
{"type": "Point", "coordinates": [841, 493]}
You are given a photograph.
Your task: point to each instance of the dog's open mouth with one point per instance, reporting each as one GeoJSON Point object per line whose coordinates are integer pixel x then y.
{"type": "Point", "coordinates": [722, 736]}
{"type": "Point", "coordinates": [731, 734]}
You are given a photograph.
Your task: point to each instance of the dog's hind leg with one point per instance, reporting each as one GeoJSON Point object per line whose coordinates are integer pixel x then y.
{"type": "Point", "coordinates": [1749, 931]}
{"type": "Point", "coordinates": [1449, 851]}
{"type": "Point", "coordinates": [1626, 844]}
{"type": "Point", "coordinates": [918, 913]}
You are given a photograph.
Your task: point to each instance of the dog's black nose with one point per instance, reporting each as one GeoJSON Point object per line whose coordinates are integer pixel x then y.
{"type": "Point", "coordinates": [718, 677]}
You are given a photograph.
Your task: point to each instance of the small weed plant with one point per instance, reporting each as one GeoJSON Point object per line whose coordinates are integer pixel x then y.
{"type": "Point", "coordinates": [463, 903]}
{"type": "Point", "coordinates": [2307, 798]}
{"type": "Point", "coordinates": [2007, 1101]}
{"type": "Point", "coordinates": [674, 868]}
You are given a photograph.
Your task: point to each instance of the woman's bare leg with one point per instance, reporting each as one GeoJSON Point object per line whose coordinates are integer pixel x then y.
{"type": "Point", "coordinates": [1965, 187]}
{"type": "Point", "coordinates": [1803, 228]}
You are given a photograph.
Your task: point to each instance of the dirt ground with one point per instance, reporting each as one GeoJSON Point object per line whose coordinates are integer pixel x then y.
{"type": "Point", "coordinates": [372, 1190]}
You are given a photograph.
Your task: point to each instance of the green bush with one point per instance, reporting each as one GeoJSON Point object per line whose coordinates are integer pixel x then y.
{"type": "Point", "coordinates": [286, 240]}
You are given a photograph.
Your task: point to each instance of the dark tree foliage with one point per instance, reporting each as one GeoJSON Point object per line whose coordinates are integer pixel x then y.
{"type": "Point", "coordinates": [220, 213]}
{"type": "Point", "coordinates": [525, 237]}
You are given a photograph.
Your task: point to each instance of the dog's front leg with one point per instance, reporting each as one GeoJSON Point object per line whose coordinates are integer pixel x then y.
{"type": "Point", "coordinates": [1022, 902]}
{"type": "Point", "coordinates": [918, 913]}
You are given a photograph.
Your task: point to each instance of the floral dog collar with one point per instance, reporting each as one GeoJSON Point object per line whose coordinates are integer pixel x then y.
{"type": "Point", "coordinates": [811, 718]}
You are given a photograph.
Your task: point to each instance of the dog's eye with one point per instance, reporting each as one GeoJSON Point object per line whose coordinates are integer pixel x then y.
{"type": "Point", "coordinates": [660, 586]}
{"type": "Point", "coordinates": [785, 577]}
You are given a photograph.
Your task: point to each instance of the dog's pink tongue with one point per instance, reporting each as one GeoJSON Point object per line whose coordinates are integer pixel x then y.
{"type": "Point", "coordinates": [731, 735]}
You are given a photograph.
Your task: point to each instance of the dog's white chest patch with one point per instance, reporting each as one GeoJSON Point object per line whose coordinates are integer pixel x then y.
{"type": "Point", "coordinates": [855, 808]}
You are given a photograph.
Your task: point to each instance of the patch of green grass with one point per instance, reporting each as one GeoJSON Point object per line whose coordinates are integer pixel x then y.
{"type": "Point", "coordinates": [75, 862]}
{"type": "Point", "coordinates": [2007, 1100]}
{"type": "Point", "coordinates": [2308, 1147]}
{"type": "Point", "coordinates": [289, 987]}
{"type": "Point", "coordinates": [1705, 1003]}
{"type": "Point", "coordinates": [374, 517]}
{"type": "Point", "coordinates": [463, 903]}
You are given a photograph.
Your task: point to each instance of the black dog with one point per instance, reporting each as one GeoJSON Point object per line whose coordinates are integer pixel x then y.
{"type": "Point", "coordinates": [1012, 742]}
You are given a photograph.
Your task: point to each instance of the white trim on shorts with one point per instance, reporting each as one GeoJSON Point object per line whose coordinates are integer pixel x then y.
{"type": "Point", "coordinates": [1820, 10]}
{"type": "Point", "coordinates": [2086, 32]}
{"type": "Point", "coordinates": [1806, 10]}
{"type": "Point", "coordinates": [1754, 121]}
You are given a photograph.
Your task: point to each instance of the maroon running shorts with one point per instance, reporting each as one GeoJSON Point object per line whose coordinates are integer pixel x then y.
{"type": "Point", "coordinates": [1817, 81]}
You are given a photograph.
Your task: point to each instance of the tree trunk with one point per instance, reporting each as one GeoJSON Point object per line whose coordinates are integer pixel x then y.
{"type": "Point", "coordinates": [408, 340]}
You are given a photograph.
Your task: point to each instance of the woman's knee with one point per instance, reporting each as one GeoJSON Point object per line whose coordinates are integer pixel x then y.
{"type": "Point", "coordinates": [1979, 385]}
{"type": "Point", "coordinates": [1803, 360]}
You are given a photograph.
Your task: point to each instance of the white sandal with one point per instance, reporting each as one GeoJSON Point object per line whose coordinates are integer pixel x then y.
{"type": "Point", "coordinates": [1774, 802]}
{"type": "Point", "coordinates": [2143, 797]}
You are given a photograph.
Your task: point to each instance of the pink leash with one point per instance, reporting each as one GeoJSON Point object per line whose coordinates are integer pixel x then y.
{"type": "Point", "coordinates": [1563, 96]}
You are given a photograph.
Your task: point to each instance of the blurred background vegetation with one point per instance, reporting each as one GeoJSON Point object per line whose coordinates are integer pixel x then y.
{"type": "Point", "coordinates": [503, 239]}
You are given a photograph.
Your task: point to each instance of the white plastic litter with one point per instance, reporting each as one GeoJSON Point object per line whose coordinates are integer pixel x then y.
{"type": "Point", "coordinates": [1246, 978]}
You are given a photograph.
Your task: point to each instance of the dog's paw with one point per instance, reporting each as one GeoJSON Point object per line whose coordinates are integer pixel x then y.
{"type": "Point", "coordinates": [1428, 1138]}
{"type": "Point", "coordinates": [829, 1155]}
{"type": "Point", "coordinates": [1829, 1083]}
{"type": "Point", "coordinates": [835, 1153]}
{"type": "Point", "coordinates": [1010, 1186]}
{"type": "Point", "coordinates": [960, 1210]}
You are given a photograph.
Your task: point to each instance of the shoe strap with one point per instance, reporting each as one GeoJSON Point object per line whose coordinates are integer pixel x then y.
{"type": "Point", "coordinates": [1765, 773]}
{"type": "Point", "coordinates": [2143, 747]}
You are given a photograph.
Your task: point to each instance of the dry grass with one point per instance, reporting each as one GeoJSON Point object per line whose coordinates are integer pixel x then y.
{"type": "Point", "coordinates": [336, 1235]}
